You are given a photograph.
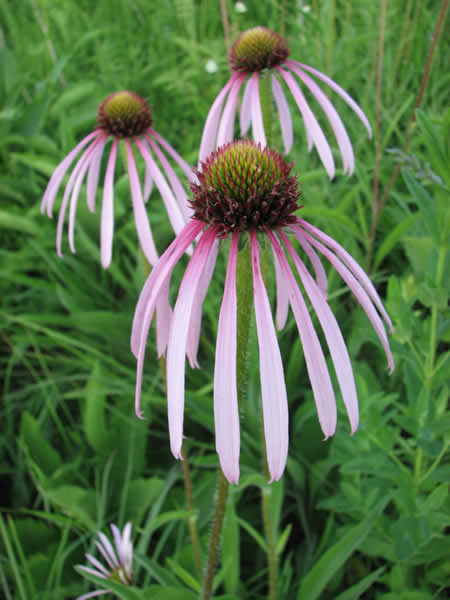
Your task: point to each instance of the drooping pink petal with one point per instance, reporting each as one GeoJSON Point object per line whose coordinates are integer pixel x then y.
{"type": "Point", "coordinates": [67, 192]}
{"type": "Point", "coordinates": [140, 215]}
{"type": "Point", "coordinates": [173, 210]}
{"type": "Point", "coordinates": [117, 540]}
{"type": "Point", "coordinates": [257, 118]}
{"type": "Point", "coordinates": [93, 175]}
{"type": "Point", "coordinates": [337, 88]}
{"type": "Point", "coordinates": [97, 564]}
{"type": "Point", "coordinates": [284, 113]}
{"type": "Point", "coordinates": [273, 387]}
{"type": "Point", "coordinates": [127, 549]}
{"type": "Point", "coordinates": [196, 318]}
{"type": "Point", "coordinates": [245, 116]}
{"type": "Point", "coordinates": [176, 349]}
{"type": "Point", "coordinates": [225, 132]}
{"type": "Point", "coordinates": [186, 168]}
{"type": "Point", "coordinates": [105, 555]}
{"type": "Point", "coordinates": [336, 123]}
{"type": "Point", "coordinates": [162, 269]}
{"type": "Point", "coordinates": [208, 143]}
{"type": "Point", "coordinates": [311, 123]}
{"type": "Point", "coordinates": [321, 276]}
{"type": "Point", "coordinates": [55, 180]}
{"type": "Point", "coordinates": [282, 295]}
{"type": "Point", "coordinates": [314, 358]}
{"type": "Point", "coordinates": [108, 549]}
{"type": "Point", "coordinates": [226, 411]}
{"type": "Point", "coordinates": [163, 319]}
{"type": "Point", "coordinates": [351, 263]}
{"type": "Point", "coordinates": [148, 181]}
{"type": "Point", "coordinates": [107, 218]}
{"type": "Point", "coordinates": [357, 290]}
{"type": "Point", "coordinates": [92, 572]}
{"type": "Point", "coordinates": [179, 191]}
{"type": "Point", "coordinates": [333, 335]}
{"type": "Point", "coordinates": [86, 161]}
{"type": "Point", "coordinates": [149, 297]}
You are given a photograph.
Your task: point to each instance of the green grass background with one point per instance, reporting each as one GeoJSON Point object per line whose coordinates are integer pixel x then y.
{"type": "Point", "coordinates": [353, 517]}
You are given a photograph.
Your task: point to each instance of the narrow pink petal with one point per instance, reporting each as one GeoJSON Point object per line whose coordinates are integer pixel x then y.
{"type": "Point", "coordinates": [107, 218]}
{"type": "Point", "coordinates": [245, 116]}
{"type": "Point", "coordinates": [225, 133]}
{"type": "Point", "coordinates": [163, 319]}
{"type": "Point", "coordinates": [333, 335]}
{"type": "Point", "coordinates": [314, 358]}
{"type": "Point", "coordinates": [208, 143]}
{"type": "Point", "coordinates": [173, 210]}
{"type": "Point", "coordinates": [257, 119]}
{"type": "Point", "coordinates": [226, 411]}
{"type": "Point", "coordinates": [108, 548]}
{"type": "Point", "coordinates": [127, 549]}
{"type": "Point", "coordinates": [321, 276]}
{"type": "Point", "coordinates": [354, 267]}
{"type": "Point", "coordinates": [117, 541]}
{"type": "Point", "coordinates": [92, 572]}
{"type": "Point", "coordinates": [140, 215]}
{"type": "Point", "coordinates": [273, 387]}
{"type": "Point", "coordinates": [284, 113]}
{"type": "Point", "coordinates": [55, 180]}
{"type": "Point", "coordinates": [180, 192]}
{"type": "Point", "coordinates": [86, 161]}
{"type": "Point", "coordinates": [93, 175]}
{"type": "Point", "coordinates": [357, 290]}
{"type": "Point", "coordinates": [97, 564]}
{"type": "Point", "coordinates": [176, 349]}
{"type": "Point", "coordinates": [337, 88]}
{"type": "Point", "coordinates": [282, 295]}
{"type": "Point", "coordinates": [105, 555]}
{"type": "Point", "coordinates": [149, 297]}
{"type": "Point", "coordinates": [340, 132]}
{"type": "Point", "coordinates": [196, 318]}
{"type": "Point", "coordinates": [148, 181]}
{"type": "Point", "coordinates": [67, 192]}
{"type": "Point", "coordinates": [186, 168]}
{"type": "Point", "coordinates": [164, 268]}
{"type": "Point", "coordinates": [311, 123]}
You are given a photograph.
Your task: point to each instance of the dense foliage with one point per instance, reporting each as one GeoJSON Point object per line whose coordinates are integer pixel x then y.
{"type": "Point", "coordinates": [360, 516]}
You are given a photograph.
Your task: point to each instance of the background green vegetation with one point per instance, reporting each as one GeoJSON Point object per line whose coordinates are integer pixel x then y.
{"type": "Point", "coordinates": [355, 517]}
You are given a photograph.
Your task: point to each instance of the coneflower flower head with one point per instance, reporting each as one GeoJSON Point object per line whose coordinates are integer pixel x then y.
{"type": "Point", "coordinates": [257, 49]}
{"type": "Point", "coordinates": [124, 118]}
{"type": "Point", "coordinates": [243, 186]}
{"type": "Point", "coordinates": [118, 560]}
{"type": "Point", "coordinates": [260, 52]}
{"type": "Point", "coordinates": [247, 192]}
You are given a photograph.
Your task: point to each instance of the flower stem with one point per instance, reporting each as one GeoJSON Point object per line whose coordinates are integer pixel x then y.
{"type": "Point", "coordinates": [244, 297]}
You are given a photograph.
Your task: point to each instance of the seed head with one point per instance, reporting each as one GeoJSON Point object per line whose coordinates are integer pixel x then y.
{"type": "Point", "coordinates": [257, 49]}
{"type": "Point", "coordinates": [124, 114]}
{"type": "Point", "coordinates": [243, 187]}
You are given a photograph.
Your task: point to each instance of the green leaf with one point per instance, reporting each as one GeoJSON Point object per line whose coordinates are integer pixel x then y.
{"type": "Point", "coordinates": [141, 494]}
{"type": "Point", "coordinates": [334, 558]}
{"type": "Point", "coordinates": [394, 236]}
{"type": "Point", "coordinates": [76, 502]}
{"type": "Point", "coordinates": [426, 204]}
{"type": "Point", "coordinates": [356, 591]}
{"type": "Point", "coordinates": [93, 413]}
{"type": "Point", "coordinates": [121, 590]}
{"type": "Point", "coordinates": [231, 546]}
{"type": "Point", "coordinates": [162, 592]}
{"type": "Point", "coordinates": [39, 450]}
{"type": "Point", "coordinates": [16, 222]}
{"type": "Point", "coordinates": [184, 575]}
{"type": "Point", "coordinates": [254, 534]}
{"type": "Point", "coordinates": [409, 533]}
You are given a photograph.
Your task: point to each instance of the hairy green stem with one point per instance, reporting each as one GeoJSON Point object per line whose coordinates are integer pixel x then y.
{"type": "Point", "coordinates": [244, 297]}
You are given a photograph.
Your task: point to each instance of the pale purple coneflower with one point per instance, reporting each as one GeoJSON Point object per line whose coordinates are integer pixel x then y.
{"type": "Point", "coordinates": [118, 561]}
{"type": "Point", "coordinates": [246, 193]}
{"type": "Point", "coordinates": [124, 118]}
{"type": "Point", "coordinates": [260, 52]}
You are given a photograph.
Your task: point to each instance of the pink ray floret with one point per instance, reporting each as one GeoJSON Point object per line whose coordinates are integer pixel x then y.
{"type": "Point", "coordinates": [260, 52]}
{"type": "Point", "coordinates": [228, 202]}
